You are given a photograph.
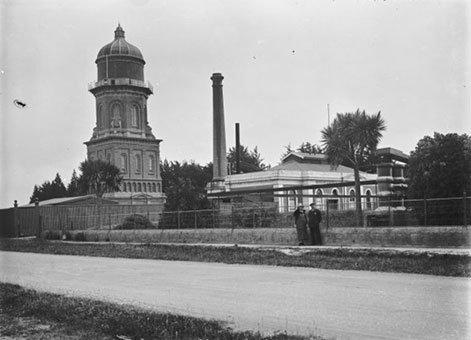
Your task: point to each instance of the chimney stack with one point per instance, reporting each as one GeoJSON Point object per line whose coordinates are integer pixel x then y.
{"type": "Point", "coordinates": [219, 132]}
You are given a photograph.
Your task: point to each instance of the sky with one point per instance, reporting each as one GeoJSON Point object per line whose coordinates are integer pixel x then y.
{"type": "Point", "coordinates": [283, 62]}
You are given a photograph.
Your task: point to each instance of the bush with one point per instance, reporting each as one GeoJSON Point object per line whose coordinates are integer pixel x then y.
{"type": "Point", "coordinates": [136, 221]}
{"type": "Point", "coordinates": [80, 237]}
{"type": "Point", "coordinates": [52, 235]}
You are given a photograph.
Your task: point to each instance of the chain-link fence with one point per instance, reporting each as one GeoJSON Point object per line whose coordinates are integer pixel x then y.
{"type": "Point", "coordinates": [426, 212]}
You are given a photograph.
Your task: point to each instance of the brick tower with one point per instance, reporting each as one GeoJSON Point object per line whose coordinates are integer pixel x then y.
{"type": "Point", "coordinates": [122, 134]}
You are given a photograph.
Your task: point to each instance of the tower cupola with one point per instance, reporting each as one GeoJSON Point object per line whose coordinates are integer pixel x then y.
{"type": "Point", "coordinates": [120, 59]}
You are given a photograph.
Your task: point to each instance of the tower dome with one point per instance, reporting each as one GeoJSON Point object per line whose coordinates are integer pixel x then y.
{"type": "Point", "coordinates": [119, 46]}
{"type": "Point", "coordinates": [120, 59]}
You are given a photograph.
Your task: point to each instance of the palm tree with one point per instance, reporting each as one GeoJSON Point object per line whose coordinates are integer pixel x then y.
{"type": "Point", "coordinates": [99, 177]}
{"type": "Point", "coordinates": [351, 139]}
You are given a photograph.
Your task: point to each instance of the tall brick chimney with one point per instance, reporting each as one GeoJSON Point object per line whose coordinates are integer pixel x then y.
{"type": "Point", "coordinates": [219, 132]}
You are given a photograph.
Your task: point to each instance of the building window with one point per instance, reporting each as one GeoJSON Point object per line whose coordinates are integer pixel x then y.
{"type": "Point", "coordinates": [124, 162]}
{"type": "Point", "coordinates": [124, 187]}
{"type": "Point", "coordinates": [134, 116]}
{"type": "Point", "coordinates": [138, 163]}
{"type": "Point", "coordinates": [318, 199]}
{"type": "Point", "coordinates": [158, 187]}
{"type": "Point", "coordinates": [129, 187]}
{"type": "Point", "coordinates": [100, 117]}
{"type": "Point", "coordinates": [151, 163]}
{"type": "Point", "coordinates": [333, 203]}
{"type": "Point", "coordinates": [368, 199]}
{"type": "Point", "coordinates": [116, 116]}
{"type": "Point", "coordinates": [153, 187]}
{"type": "Point", "coordinates": [139, 187]}
{"type": "Point", "coordinates": [134, 187]}
{"type": "Point", "coordinates": [352, 195]}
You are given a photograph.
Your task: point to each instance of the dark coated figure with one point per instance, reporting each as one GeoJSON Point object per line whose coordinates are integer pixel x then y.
{"type": "Point", "coordinates": [300, 222]}
{"type": "Point", "coordinates": [314, 220]}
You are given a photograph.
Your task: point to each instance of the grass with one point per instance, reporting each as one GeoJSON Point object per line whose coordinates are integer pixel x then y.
{"type": "Point", "coordinates": [52, 316]}
{"type": "Point", "coordinates": [326, 258]}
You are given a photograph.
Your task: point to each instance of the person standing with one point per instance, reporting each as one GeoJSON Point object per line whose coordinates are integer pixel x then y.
{"type": "Point", "coordinates": [314, 219]}
{"type": "Point", "coordinates": [300, 221]}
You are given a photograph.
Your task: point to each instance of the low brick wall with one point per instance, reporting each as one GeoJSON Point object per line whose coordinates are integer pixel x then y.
{"type": "Point", "coordinates": [387, 237]}
{"type": "Point", "coordinates": [432, 237]}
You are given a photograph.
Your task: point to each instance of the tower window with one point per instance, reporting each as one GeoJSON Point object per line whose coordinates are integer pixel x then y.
{"type": "Point", "coordinates": [151, 163]}
{"type": "Point", "coordinates": [124, 162]}
{"type": "Point", "coordinates": [138, 163]}
{"type": "Point", "coordinates": [100, 117]}
{"type": "Point", "coordinates": [116, 116]}
{"type": "Point", "coordinates": [134, 116]}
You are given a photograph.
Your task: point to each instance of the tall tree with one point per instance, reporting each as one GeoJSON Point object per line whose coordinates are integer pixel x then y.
{"type": "Point", "coordinates": [440, 166]}
{"type": "Point", "coordinates": [98, 177]}
{"type": "Point", "coordinates": [288, 150]}
{"type": "Point", "coordinates": [307, 147]}
{"type": "Point", "coordinates": [184, 184]}
{"type": "Point", "coordinates": [49, 190]}
{"type": "Point", "coordinates": [250, 161]}
{"type": "Point", "coordinates": [352, 138]}
{"type": "Point", "coordinates": [74, 189]}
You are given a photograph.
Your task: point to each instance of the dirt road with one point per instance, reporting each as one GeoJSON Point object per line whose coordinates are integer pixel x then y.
{"type": "Point", "coordinates": [340, 304]}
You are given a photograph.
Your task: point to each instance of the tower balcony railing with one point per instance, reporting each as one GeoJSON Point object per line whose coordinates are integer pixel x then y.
{"type": "Point", "coordinates": [120, 81]}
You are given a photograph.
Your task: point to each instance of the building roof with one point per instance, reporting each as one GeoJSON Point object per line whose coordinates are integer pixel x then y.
{"type": "Point", "coordinates": [308, 157]}
{"type": "Point", "coordinates": [67, 200]}
{"type": "Point", "coordinates": [311, 167]}
{"type": "Point", "coordinates": [299, 161]}
{"type": "Point", "coordinates": [393, 154]}
{"type": "Point", "coordinates": [119, 46]}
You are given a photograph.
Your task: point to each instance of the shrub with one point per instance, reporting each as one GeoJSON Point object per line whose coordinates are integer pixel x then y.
{"type": "Point", "coordinates": [80, 237]}
{"type": "Point", "coordinates": [52, 235]}
{"type": "Point", "coordinates": [136, 221]}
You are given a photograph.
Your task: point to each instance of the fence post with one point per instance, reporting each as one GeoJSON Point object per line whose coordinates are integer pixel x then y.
{"type": "Point", "coordinates": [327, 215]}
{"type": "Point", "coordinates": [212, 213]}
{"type": "Point", "coordinates": [465, 223]}
{"type": "Point", "coordinates": [232, 217]}
{"type": "Point", "coordinates": [425, 212]}
{"type": "Point", "coordinates": [178, 219]}
{"type": "Point", "coordinates": [38, 221]}
{"type": "Point", "coordinates": [16, 220]}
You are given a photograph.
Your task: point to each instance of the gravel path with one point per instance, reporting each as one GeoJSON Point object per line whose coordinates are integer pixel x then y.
{"type": "Point", "coordinates": [342, 304]}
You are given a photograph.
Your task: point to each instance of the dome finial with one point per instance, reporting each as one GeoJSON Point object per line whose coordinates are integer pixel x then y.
{"type": "Point", "coordinates": [119, 32]}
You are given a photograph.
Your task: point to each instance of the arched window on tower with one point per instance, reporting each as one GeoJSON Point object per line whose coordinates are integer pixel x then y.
{"type": "Point", "coordinates": [124, 162]}
{"type": "Point", "coordinates": [151, 163]}
{"type": "Point", "coordinates": [138, 163]}
{"type": "Point", "coordinates": [99, 118]}
{"type": "Point", "coordinates": [135, 116]}
{"type": "Point", "coordinates": [116, 116]}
